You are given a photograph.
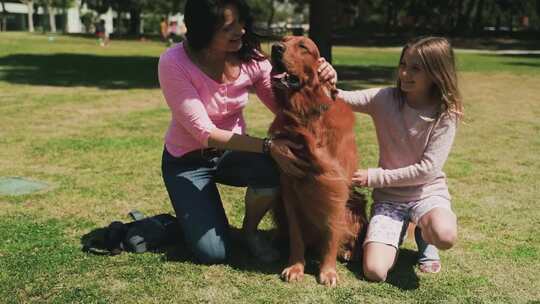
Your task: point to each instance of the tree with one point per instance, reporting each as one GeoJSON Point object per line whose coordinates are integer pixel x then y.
{"type": "Point", "coordinates": [3, 21]}
{"type": "Point", "coordinates": [30, 14]}
{"type": "Point", "coordinates": [321, 18]}
{"type": "Point", "coordinates": [48, 5]}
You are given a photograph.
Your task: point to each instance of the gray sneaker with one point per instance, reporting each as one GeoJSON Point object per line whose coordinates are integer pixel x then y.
{"type": "Point", "coordinates": [428, 255]}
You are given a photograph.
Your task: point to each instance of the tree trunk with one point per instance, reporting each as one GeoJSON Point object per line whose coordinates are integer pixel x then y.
{"type": "Point", "coordinates": [65, 15]}
{"type": "Point", "coordinates": [464, 18]}
{"type": "Point", "coordinates": [119, 22]}
{"type": "Point", "coordinates": [135, 22]}
{"type": "Point", "coordinates": [478, 19]}
{"type": "Point", "coordinates": [30, 7]}
{"type": "Point", "coordinates": [469, 13]}
{"type": "Point", "coordinates": [321, 18]}
{"type": "Point", "coordinates": [389, 16]}
{"type": "Point", "coordinates": [52, 20]}
{"type": "Point", "coordinates": [457, 13]}
{"type": "Point", "coordinates": [272, 14]}
{"type": "Point", "coordinates": [3, 21]}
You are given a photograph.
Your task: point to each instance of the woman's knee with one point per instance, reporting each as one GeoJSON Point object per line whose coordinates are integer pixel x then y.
{"type": "Point", "coordinates": [211, 248]}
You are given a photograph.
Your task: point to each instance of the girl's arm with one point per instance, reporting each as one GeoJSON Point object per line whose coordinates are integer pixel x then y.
{"type": "Point", "coordinates": [425, 170]}
{"type": "Point", "coordinates": [364, 101]}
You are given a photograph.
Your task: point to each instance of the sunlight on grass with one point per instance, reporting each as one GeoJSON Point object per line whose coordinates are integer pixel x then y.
{"type": "Point", "coordinates": [91, 121]}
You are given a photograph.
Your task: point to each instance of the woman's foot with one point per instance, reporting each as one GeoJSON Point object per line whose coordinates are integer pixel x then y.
{"type": "Point", "coordinates": [261, 248]}
{"type": "Point", "coordinates": [428, 255]}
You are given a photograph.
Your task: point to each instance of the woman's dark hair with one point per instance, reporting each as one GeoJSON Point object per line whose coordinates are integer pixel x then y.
{"type": "Point", "coordinates": [204, 17]}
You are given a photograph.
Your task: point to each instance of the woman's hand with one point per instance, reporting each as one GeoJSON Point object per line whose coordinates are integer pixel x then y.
{"type": "Point", "coordinates": [280, 150]}
{"type": "Point", "coordinates": [326, 71]}
{"type": "Point", "coordinates": [360, 178]}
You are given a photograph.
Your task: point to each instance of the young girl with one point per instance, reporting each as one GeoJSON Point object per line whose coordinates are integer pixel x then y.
{"type": "Point", "coordinates": [415, 124]}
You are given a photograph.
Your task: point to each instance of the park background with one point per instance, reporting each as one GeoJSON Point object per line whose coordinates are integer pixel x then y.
{"type": "Point", "coordinates": [89, 121]}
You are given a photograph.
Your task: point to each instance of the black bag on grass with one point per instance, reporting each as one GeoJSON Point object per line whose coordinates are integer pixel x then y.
{"type": "Point", "coordinates": [141, 235]}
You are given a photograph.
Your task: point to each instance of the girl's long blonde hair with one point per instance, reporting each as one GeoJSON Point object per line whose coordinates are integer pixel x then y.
{"type": "Point", "coordinates": [438, 60]}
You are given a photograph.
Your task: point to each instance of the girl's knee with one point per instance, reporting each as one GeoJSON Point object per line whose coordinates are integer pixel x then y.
{"type": "Point", "coordinates": [378, 260]}
{"type": "Point", "coordinates": [376, 267]}
{"type": "Point", "coordinates": [446, 237]}
{"type": "Point", "coordinates": [376, 272]}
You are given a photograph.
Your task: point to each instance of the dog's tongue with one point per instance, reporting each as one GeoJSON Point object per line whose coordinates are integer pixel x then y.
{"type": "Point", "coordinates": [280, 75]}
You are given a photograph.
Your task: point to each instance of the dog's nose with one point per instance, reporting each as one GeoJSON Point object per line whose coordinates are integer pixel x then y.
{"type": "Point", "coordinates": [278, 48]}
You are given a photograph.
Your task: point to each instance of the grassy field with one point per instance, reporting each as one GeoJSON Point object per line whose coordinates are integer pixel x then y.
{"type": "Point", "coordinates": [90, 121]}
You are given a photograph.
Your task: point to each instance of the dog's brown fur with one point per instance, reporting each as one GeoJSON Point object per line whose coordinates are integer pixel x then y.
{"type": "Point", "coordinates": [318, 209]}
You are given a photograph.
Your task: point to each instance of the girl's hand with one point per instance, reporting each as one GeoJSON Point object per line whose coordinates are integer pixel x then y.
{"type": "Point", "coordinates": [360, 178]}
{"type": "Point", "coordinates": [280, 150]}
{"type": "Point", "coordinates": [326, 71]}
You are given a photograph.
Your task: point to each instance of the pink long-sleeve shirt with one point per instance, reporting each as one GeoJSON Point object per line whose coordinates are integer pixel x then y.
{"type": "Point", "coordinates": [199, 104]}
{"type": "Point", "coordinates": [413, 146]}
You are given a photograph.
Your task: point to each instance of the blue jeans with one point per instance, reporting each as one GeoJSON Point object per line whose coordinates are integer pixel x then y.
{"type": "Point", "coordinates": [191, 183]}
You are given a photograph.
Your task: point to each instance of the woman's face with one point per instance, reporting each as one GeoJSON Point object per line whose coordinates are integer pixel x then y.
{"type": "Point", "coordinates": [228, 38]}
{"type": "Point", "coordinates": [412, 75]}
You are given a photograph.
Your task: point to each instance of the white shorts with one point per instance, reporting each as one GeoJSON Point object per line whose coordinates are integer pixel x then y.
{"type": "Point", "coordinates": [389, 220]}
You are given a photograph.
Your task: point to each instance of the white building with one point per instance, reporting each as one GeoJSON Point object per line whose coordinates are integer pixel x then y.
{"type": "Point", "coordinates": [17, 17]}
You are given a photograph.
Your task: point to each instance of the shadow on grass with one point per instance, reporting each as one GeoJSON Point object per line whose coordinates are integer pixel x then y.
{"type": "Point", "coordinates": [402, 276]}
{"type": "Point", "coordinates": [119, 72]}
{"type": "Point", "coordinates": [531, 60]}
{"type": "Point", "coordinates": [105, 72]}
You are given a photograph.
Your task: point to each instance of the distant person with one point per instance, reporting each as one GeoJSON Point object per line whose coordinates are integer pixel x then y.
{"type": "Point", "coordinates": [415, 122]}
{"type": "Point", "coordinates": [205, 81]}
{"type": "Point", "coordinates": [164, 29]}
{"type": "Point", "coordinates": [101, 33]}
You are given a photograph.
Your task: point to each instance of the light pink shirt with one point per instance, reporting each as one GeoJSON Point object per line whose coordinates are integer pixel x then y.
{"type": "Point", "coordinates": [413, 146]}
{"type": "Point", "coordinates": [199, 104]}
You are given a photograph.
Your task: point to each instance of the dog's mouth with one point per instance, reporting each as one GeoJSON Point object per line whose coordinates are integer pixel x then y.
{"type": "Point", "coordinates": [281, 77]}
{"type": "Point", "coordinates": [285, 80]}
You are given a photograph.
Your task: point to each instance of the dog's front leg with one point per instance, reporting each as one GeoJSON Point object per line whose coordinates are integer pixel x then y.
{"type": "Point", "coordinates": [295, 271]}
{"type": "Point", "coordinates": [328, 275]}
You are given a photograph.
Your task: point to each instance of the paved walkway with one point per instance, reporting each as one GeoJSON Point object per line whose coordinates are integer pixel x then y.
{"type": "Point", "coordinates": [501, 52]}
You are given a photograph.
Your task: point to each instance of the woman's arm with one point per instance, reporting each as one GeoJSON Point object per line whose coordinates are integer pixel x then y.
{"type": "Point", "coordinates": [188, 110]}
{"type": "Point", "coordinates": [262, 83]}
{"type": "Point", "coordinates": [279, 149]}
{"type": "Point", "coordinates": [426, 169]}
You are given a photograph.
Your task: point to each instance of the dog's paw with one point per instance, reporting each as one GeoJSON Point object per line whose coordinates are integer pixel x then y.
{"type": "Point", "coordinates": [293, 273]}
{"type": "Point", "coordinates": [328, 277]}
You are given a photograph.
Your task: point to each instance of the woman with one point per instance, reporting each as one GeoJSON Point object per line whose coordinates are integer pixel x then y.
{"type": "Point", "coordinates": [205, 81]}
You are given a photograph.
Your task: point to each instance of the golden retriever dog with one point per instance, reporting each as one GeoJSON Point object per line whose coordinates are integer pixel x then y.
{"type": "Point", "coordinates": [317, 210]}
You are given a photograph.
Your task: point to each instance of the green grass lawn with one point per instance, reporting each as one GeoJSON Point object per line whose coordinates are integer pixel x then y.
{"type": "Point", "coordinates": [90, 121]}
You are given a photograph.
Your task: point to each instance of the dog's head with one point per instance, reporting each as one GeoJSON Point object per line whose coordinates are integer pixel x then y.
{"type": "Point", "coordinates": [295, 63]}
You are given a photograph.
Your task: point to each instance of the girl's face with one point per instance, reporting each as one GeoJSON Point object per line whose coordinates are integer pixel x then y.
{"type": "Point", "coordinates": [228, 38]}
{"type": "Point", "coordinates": [412, 75]}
